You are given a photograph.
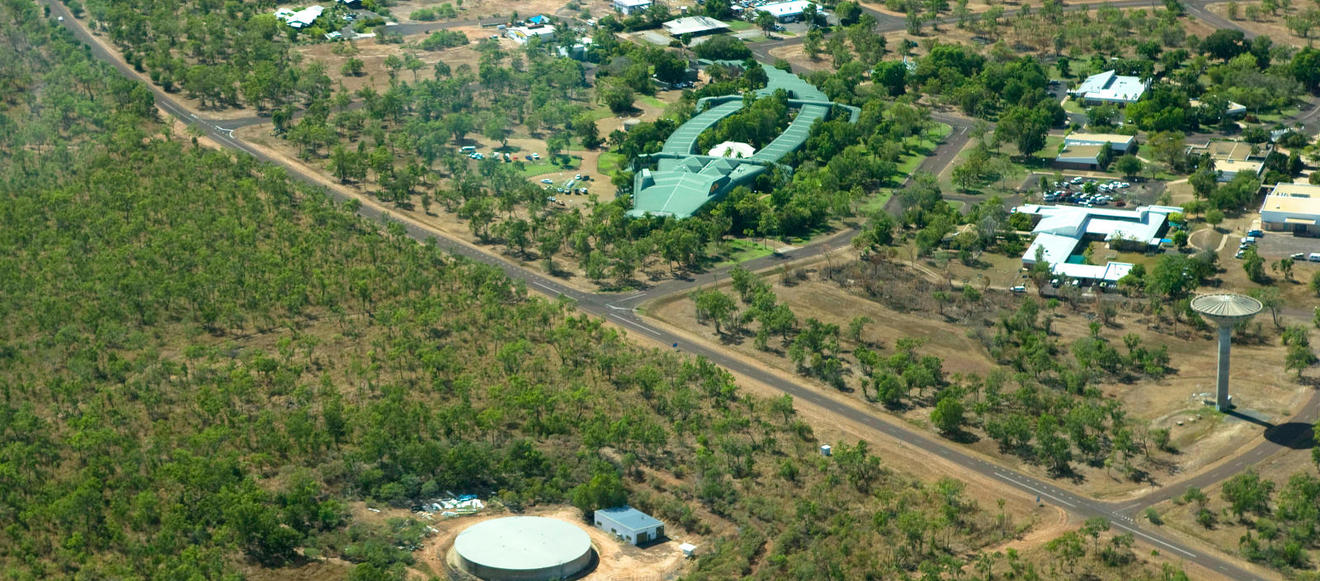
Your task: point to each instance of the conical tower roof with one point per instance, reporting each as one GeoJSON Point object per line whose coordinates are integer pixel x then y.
{"type": "Point", "coordinates": [1226, 307]}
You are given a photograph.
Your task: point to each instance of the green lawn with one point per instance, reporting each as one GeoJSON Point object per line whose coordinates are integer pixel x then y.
{"type": "Point", "coordinates": [1279, 116]}
{"type": "Point", "coordinates": [742, 250]}
{"type": "Point", "coordinates": [740, 25]}
{"type": "Point", "coordinates": [652, 101]}
{"type": "Point", "coordinates": [599, 113]}
{"type": "Point", "coordinates": [544, 167]}
{"type": "Point", "coordinates": [609, 163]}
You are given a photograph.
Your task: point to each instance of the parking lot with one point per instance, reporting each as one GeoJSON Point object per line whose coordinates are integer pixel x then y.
{"type": "Point", "coordinates": [1134, 194]}
{"type": "Point", "coordinates": [1276, 245]}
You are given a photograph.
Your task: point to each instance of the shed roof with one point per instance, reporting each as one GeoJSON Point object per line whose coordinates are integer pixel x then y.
{"type": "Point", "coordinates": [629, 518]}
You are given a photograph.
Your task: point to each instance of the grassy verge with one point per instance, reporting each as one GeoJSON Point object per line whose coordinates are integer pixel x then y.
{"type": "Point", "coordinates": [740, 25]}
{"type": "Point", "coordinates": [907, 164]}
{"type": "Point", "coordinates": [876, 202]}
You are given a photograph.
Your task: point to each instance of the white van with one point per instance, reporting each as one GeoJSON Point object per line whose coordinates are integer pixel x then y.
{"type": "Point", "coordinates": [1314, 257]}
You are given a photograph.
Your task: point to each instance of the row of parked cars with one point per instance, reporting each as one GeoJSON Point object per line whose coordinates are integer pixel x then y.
{"type": "Point", "coordinates": [1254, 235]}
{"type": "Point", "coordinates": [472, 153]}
{"type": "Point", "coordinates": [1065, 193]}
{"type": "Point", "coordinates": [569, 186]}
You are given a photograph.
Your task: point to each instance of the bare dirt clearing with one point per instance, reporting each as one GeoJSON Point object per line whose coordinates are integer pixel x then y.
{"type": "Point", "coordinates": [616, 560]}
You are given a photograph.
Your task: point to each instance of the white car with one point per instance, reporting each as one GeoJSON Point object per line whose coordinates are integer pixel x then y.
{"type": "Point", "coordinates": [547, 181]}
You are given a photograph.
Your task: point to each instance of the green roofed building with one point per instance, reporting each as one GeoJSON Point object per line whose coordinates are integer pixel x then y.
{"type": "Point", "coordinates": [684, 181]}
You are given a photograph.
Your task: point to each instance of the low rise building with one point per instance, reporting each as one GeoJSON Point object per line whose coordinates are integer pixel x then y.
{"type": "Point", "coordinates": [1083, 157]}
{"type": "Point", "coordinates": [791, 11]}
{"type": "Point", "coordinates": [522, 34]}
{"type": "Point", "coordinates": [1123, 144]}
{"type": "Point", "coordinates": [1063, 231]}
{"type": "Point", "coordinates": [1231, 158]}
{"type": "Point", "coordinates": [1231, 109]}
{"type": "Point", "coordinates": [695, 26]}
{"type": "Point", "coordinates": [629, 524]}
{"type": "Point", "coordinates": [299, 18]}
{"type": "Point", "coordinates": [1086, 151]}
{"type": "Point", "coordinates": [1110, 87]}
{"type": "Point", "coordinates": [1292, 208]}
{"type": "Point", "coordinates": [630, 7]}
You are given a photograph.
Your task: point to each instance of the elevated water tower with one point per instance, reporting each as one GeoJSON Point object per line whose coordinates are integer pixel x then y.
{"type": "Point", "coordinates": [1225, 310]}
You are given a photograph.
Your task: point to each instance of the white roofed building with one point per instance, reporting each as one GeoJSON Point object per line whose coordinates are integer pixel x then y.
{"type": "Point", "coordinates": [630, 7]}
{"type": "Point", "coordinates": [299, 18]}
{"type": "Point", "coordinates": [694, 25]}
{"type": "Point", "coordinates": [1063, 230]}
{"type": "Point", "coordinates": [522, 34]}
{"type": "Point", "coordinates": [1231, 158]}
{"type": "Point", "coordinates": [786, 11]}
{"type": "Point", "coordinates": [1292, 208]}
{"type": "Point", "coordinates": [1110, 87]}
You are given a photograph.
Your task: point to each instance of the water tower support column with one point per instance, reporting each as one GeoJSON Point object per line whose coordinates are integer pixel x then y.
{"type": "Point", "coordinates": [1221, 393]}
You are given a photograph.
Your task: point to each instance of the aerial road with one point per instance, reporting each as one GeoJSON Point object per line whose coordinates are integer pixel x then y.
{"type": "Point", "coordinates": [619, 309]}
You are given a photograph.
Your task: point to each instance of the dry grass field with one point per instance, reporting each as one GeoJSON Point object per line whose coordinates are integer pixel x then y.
{"type": "Point", "coordinates": [1175, 402]}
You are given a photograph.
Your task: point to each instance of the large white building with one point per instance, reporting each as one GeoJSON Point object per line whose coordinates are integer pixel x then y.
{"type": "Point", "coordinates": [1110, 87]}
{"type": "Point", "coordinates": [1063, 230]}
{"type": "Point", "coordinates": [1292, 208]}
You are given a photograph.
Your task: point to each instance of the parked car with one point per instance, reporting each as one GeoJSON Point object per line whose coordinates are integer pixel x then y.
{"type": "Point", "coordinates": [1298, 256]}
{"type": "Point", "coordinates": [547, 181]}
{"type": "Point", "coordinates": [1313, 257]}
{"type": "Point", "coordinates": [1019, 289]}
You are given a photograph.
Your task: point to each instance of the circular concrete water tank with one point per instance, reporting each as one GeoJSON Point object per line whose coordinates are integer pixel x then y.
{"type": "Point", "coordinates": [523, 548]}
